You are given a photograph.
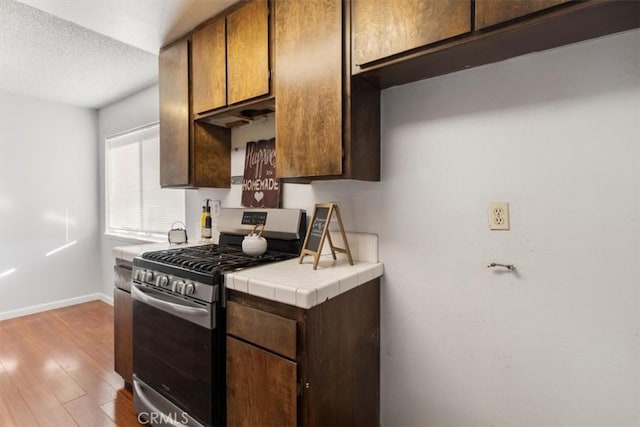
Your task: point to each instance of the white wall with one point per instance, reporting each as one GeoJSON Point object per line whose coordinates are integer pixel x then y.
{"type": "Point", "coordinates": [137, 110]}
{"type": "Point", "coordinates": [557, 135]}
{"type": "Point", "coordinates": [48, 181]}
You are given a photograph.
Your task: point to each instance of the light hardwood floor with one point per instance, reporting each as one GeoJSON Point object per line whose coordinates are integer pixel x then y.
{"type": "Point", "coordinates": [56, 370]}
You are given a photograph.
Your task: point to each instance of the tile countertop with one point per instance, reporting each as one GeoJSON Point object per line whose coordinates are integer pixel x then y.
{"type": "Point", "coordinates": [127, 253]}
{"type": "Point", "coordinates": [298, 284]}
{"type": "Point", "coordinates": [289, 281]}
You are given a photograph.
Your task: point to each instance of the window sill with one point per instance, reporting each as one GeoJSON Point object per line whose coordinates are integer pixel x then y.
{"type": "Point", "coordinates": [134, 238]}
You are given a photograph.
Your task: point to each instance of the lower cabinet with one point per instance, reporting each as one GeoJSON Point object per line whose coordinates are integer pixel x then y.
{"type": "Point", "coordinates": [289, 366]}
{"type": "Point", "coordinates": [123, 333]}
{"type": "Point", "coordinates": [261, 387]}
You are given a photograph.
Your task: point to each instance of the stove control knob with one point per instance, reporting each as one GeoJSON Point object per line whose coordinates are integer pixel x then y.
{"type": "Point", "coordinates": [149, 277]}
{"type": "Point", "coordinates": [139, 275]}
{"type": "Point", "coordinates": [189, 289]}
{"type": "Point", "coordinates": [178, 286]}
{"type": "Point", "coordinates": [162, 281]}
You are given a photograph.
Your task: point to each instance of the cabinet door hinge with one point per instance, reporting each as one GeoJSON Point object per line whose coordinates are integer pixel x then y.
{"type": "Point", "coordinates": [301, 387]}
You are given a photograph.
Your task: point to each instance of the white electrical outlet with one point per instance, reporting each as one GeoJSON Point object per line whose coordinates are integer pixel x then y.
{"type": "Point", "coordinates": [499, 216]}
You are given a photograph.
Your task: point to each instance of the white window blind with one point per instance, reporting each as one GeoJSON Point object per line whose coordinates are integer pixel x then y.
{"type": "Point", "coordinates": [136, 205]}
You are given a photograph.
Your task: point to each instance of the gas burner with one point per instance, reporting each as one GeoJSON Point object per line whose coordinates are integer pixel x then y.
{"type": "Point", "coordinates": [213, 259]}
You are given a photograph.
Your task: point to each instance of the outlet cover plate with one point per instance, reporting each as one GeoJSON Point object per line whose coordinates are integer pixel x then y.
{"type": "Point", "coordinates": [499, 216]}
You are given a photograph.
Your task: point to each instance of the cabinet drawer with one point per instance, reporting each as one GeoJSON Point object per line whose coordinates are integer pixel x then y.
{"type": "Point", "coordinates": [122, 277]}
{"type": "Point", "coordinates": [266, 330]}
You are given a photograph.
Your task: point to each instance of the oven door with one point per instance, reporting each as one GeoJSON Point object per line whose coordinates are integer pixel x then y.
{"type": "Point", "coordinates": [175, 356]}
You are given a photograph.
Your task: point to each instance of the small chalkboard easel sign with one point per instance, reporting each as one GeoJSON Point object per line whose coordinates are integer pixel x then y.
{"type": "Point", "coordinates": [319, 229]}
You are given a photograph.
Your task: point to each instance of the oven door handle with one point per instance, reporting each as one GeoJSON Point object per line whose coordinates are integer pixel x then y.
{"type": "Point", "coordinates": [140, 392]}
{"type": "Point", "coordinates": [141, 295]}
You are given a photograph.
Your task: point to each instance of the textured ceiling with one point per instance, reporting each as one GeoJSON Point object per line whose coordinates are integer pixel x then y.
{"type": "Point", "coordinates": [92, 52]}
{"type": "Point", "coordinates": [147, 24]}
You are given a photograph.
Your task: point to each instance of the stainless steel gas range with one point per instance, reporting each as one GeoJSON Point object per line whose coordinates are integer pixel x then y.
{"type": "Point", "coordinates": [179, 316]}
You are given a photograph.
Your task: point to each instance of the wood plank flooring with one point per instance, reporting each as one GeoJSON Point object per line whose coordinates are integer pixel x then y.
{"type": "Point", "coordinates": [56, 370]}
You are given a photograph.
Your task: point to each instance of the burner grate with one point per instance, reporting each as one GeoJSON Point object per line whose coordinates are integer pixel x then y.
{"type": "Point", "coordinates": [213, 259]}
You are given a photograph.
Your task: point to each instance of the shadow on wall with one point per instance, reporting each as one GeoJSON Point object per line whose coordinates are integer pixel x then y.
{"type": "Point", "coordinates": [526, 82]}
{"type": "Point", "coordinates": [360, 204]}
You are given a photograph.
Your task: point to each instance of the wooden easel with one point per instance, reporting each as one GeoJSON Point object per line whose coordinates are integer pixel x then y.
{"type": "Point", "coordinates": [319, 229]}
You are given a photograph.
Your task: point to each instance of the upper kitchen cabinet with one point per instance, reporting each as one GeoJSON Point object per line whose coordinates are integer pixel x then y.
{"type": "Point", "coordinates": [209, 72]}
{"type": "Point", "coordinates": [327, 123]}
{"type": "Point", "coordinates": [395, 44]}
{"type": "Point", "coordinates": [382, 28]}
{"type": "Point", "coordinates": [191, 154]}
{"type": "Point", "coordinates": [248, 71]}
{"type": "Point", "coordinates": [491, 12]}
{"type": "Point", "coordinates": [232, 65]}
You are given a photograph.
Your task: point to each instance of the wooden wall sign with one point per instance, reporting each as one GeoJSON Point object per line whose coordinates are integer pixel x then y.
{"type": "Point", "coordinates": [260, 188]}
{"type": "Point", "coordinates": [319, 230]}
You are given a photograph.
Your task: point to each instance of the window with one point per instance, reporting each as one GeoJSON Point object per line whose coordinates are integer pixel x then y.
{"type": "Point", "coordinates": [136, 205]}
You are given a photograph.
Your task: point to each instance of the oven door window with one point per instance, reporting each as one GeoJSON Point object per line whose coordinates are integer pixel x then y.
{"type": "Point", "coordinates": [175, 357]}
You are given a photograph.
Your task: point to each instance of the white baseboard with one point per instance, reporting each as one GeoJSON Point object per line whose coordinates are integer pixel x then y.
{"type": "Point", "coordinates": [53, 305]}
{"type": "Point", "coordinates": [105, 298]}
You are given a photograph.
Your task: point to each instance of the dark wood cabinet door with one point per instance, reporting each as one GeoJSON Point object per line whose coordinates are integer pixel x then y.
{"type": "Point", "coordinates": [212, 156]}
{"type": "Point", "coordinates": [309, 92]}
{"type": "Point", "coordinates": [192, 154]}
{"type": "Point", "coordinates": [491, 12]}
{"type": "Point", "coordinates": [123, 332]}
{"type": "Point", "coordinates": [173, 79]}
{"type": "Point", "coordinates": [381, 28]}
{"type": "Point", "coordinates": [248, 52]}
{"type": "Point", "coordinates": [208, 62]}
{"type": "Point", "coordinates": [261, 387]}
